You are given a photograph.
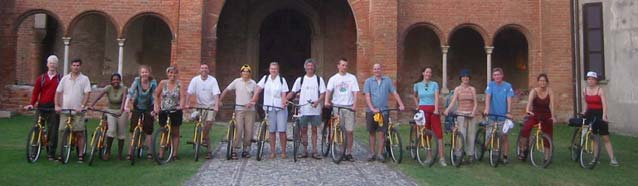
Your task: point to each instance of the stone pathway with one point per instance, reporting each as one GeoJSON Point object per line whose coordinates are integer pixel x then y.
{"type": "Point", "coordinates": [308, 171]}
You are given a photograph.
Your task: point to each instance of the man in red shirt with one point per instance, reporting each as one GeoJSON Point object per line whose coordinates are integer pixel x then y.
{"type": "Point", "coordinates": [44, 94]}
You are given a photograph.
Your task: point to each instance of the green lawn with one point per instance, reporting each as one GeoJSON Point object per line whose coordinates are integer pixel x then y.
{"type": "Point", "coordinates": [562, 171]}
{"type": "Point", "coordinates": [16, 171]}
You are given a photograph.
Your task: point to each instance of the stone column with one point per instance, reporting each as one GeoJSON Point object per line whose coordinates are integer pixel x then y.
{"type": "Point", "coordinates": [488, 51]}
{"type": "Point", "coordinates": [67, 41]}
{"type": "Point", "coordinates": [120, 55]}
{"type": "Point", "coordinates": [444, 50]}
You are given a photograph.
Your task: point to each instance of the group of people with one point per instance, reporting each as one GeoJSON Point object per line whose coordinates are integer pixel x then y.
{"type": "Point", "coordinates": [148, 98]}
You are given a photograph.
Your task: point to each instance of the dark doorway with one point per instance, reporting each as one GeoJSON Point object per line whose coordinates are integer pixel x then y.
{"type": "Point", "coordinates": [284, 37]}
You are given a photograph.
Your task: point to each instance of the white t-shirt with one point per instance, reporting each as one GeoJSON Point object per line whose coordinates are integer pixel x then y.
{"type": "Point", "coordinates": [272, 90]}
{"type": "Point", "coordinates": [309, 91]}
{"type": "Point", "coordinates": [344, 86]}
{"type": "Point", "coordinates": [204, 90]}
{"type": "Point", "coordinates": [73, 90]}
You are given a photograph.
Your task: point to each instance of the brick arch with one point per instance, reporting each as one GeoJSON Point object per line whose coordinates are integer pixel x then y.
{"type": "Point", "coordinates": [487, 40]}
{"type": "Point", "coordinates": [428, 25]}
{"type": "Point", "coordinates": [31, 12]}
{"type": "Point", "coordinates": [153, 14]}
{"type": "Point", "coordinates": [520, 28]}
{"type": "Point", "coordinates": [79, 17]}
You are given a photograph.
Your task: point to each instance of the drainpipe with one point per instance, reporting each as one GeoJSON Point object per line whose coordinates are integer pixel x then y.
{"type": "Point", "coordinates": [576, 73]}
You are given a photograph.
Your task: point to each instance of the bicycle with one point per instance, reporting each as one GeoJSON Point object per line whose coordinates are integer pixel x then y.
{"type": "Point", "coordinates": [539, 143]}
{"type": "Point", "coordinates": [493, 141]}
{"type": "Point", "coordinates": [333, 136]}
{"type": "Point", "coordinates": [585, 146]}
{"type": "Point", "coordinates": [162, 148]}
{"type": "Point", "coordinates": [262, 134]}
{"type": "Point", "coordinates": [231, 132]}
{"type": "Point", "coordinates": [457, 141]}
{"type": "Point", "coordinates": [198, 132]}
{"type": "Point", "coordinates": [68, 139]}
{"type": "Point", "coordinates": [423, 143]}
{"type": "Point", "coordinates": [99, 136]}
{"type": "Point", "coordinates": [393, 144]}
{"type": "Point", "coordinates": [137, 149]}
{"type": "Point", "coordinates": [37, 137]}
{"type": "Point", "coordinates": [296, 128]}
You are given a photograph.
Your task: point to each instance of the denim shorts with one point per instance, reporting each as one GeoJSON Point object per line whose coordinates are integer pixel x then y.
{"type": "Point", "coordinates": [313, 120]}
{"type": "Point", "coordinates": [277, 120]}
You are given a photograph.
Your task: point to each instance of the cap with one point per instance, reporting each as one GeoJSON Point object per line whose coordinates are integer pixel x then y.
{"type": "Point", "coordinates": [464, 73]}
{"type": "Point", "coordinates": [592, 74]}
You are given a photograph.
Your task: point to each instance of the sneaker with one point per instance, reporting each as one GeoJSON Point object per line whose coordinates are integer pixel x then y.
{"type": "Point", "coordinates": [614, 163]}
{"type": "Point", "coordinates": [349, 157]}
{"type": "Point", "coordinates": [371, 158]}
{"type": "Point", "coordinates": [381, 158]}
{"type": "Point", "coordinates": [442, 162]}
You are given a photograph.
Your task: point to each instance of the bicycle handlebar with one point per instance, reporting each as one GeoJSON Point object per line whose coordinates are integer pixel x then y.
{"type": "Point", "coordinates": [41, 109]}
{"type": "Point", "coordinates": [202, 108]}
{"type": "Point", "coordinates": [71, 110]}
{"type": "Point", "coordinates": [497, 116]}
{"type": "Point", "coordinates": [105, 112]}
{"type": "Point", "coordinates": [390, 110]}
{"type": "Point", "coordinates": [299, 105]}
{"type": "Point", "coordinates": [169, 111]}
{"type": "Point", "coordinates": [345, 108]}
{"type": "Point", "coordinates": [454, 114]}
{"type": "Point", "coordinates": [268, 107]}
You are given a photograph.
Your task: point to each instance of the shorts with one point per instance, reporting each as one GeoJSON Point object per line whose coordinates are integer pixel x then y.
{"type": "Point", "coordinates": [313, 120]}
{"type": "Point", "coordinates": [117, 125]}
{"type": "Point", "coordinates": [499, 128]}
{"type": "Point", "coordinates": [147, 124]}
{"type": "Point", "coordinates": [374, 126]}
{"type": "Point", "coordinates": [277, 120]}
{"type": "Point", "coordinates": [600, 127]}
{"type": "Point", "coordinates": [346, 118]}
{"type": "Point", "coordinates": [432, 121]}
{"type": "Point", "coordinates": [545, 120]}
{"type": "Point", "coordinates": [77, 124]}
{"type": "Point", "coordinates": [209, 114]}
{"type": "Point", "coordinates": [176, 118]}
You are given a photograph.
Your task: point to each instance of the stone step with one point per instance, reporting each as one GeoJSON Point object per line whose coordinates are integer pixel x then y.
{"type": "Point", "coordinates": [6, 114]}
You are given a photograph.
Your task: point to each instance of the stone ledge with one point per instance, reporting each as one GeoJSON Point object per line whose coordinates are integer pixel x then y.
{"type": "Point", "coordinates": [6, 114]}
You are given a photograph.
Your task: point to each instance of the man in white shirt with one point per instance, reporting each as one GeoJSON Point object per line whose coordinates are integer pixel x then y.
{"type": "Point", "coordinates": [73, 93]}
{"type": "Point", "coordinates": [275, 89]}
{"type": "Point", "coordinates": [311, 89]}
{"type": "Point", "coordinates": [206, 89]}
{"type": "Point", "coordinates": [342, 90]}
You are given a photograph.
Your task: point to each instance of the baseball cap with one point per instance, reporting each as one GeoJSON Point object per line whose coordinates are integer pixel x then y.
{"type": "Point", "coordinates": [592, 74]}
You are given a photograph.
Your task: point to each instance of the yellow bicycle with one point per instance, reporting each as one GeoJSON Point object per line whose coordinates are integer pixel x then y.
{"type": "Point", "coordinates": [137, 150]}
{"type": "Point", "coordinates": [69, 141]}
{"type": "Point", "coordinates": [423, 144]}
{"type": "Point", "coordinates": [585, 146]}
{"type": "Point", "coordinates": [393, 144]}
{"type": "Point", "coordinates": [262, 132]}
{"type": "Point", "coordinates": [99, 136]}
{"type": "Point", "coordinates": [198, 134]}
{"type": "Point", "coordinates": [162, 147]}
{"type": "Point", "coordinates": [37, 137]}
{"type": "Point", "coordinates": [457, 141]}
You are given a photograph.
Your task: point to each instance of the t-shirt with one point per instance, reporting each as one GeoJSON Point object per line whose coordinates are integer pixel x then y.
{"type": "Point", "coordinates": [272, 90]}
{"type": "Point", "coordinates": [343, 88]}
{"type": "Point", "coordinates": [143, 98]}
{"type": "Point", "coordinates": [426, 91]}
{"type": "Point", "coordinates": [204, 90]}
{"type": "Point", "coordinates": [114, 96]}
{"type": "Point", "coordinates": [379, 91]}
{"type": "Point", "coordinates": [244, 91]}
{"type": "Point", "coordinates": [73, 90]}
{"type": "Point", "coordinates": [499, 93]}
{"type": "Point", "coordinates": [309, 91]}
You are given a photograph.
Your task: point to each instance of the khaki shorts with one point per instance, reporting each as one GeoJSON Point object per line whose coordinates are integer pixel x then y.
{"type": "Point", "coordinates": [209, 115]}
{"type": "Point", "coordinates": [346, 119]}
{"type": "Point", "coordinates": [77, 124]}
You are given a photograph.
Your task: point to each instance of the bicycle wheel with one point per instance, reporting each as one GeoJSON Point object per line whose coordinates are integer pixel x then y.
{"type": "Point", "coordinates": [339, 143]}
{"type": "Point", "coordinates": [412, 143]}
{"type": "Point", "coordinates": [541, 151]}
{"type": "Point", "coordinates": [394, 146]}
{"type": "Point", "coordinates": [427, 149]}
{"type": "Point", "coordinates": [162, 147]}
{"type": "Point", "coordinates": [479, 144]}
{"type": "Point", "coordinates": [34, 144]}
{"type": "Point", "coordinates": [66, 145]}
{"type": "Point", "coordinates": [230, 138]}
{"type": "Point", "coordinates": [590, 151]}
{"type": "Point", "coordinates": [574, 146]}
{"type": "Point", "coordinates": [456, 152]}
{"type": "Point", "coordinates": [135, 141]}
{"type": "Point", "coordinates": [495, 149]}
{"type": "Point", "coordinates": [326, 135]}
{"type": "Point", "coordinates": [296, 140]}
{"type": "Point", "coordinates": [261, 141]}
{"type": "Point", "coordinates": [94, 145]}
{"type": "Point", "coordinates": [197, 143]}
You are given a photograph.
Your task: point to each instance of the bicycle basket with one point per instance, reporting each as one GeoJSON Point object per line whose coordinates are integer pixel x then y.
{"type": "Point", "coordinates": [576, 122]}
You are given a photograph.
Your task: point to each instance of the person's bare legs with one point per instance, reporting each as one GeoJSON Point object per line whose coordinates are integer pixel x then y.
{"type": "Point", "coordinates": [175, 141]}
{"type": "Point", "coordinates": [380, 143]}
{"type": "Point", "coordinates": [610, 150]}
{"type": "Point", "coordinates": [304, 140]}
{"type": "Point", "coordinates": [314, 139]}
{"type": "Point", "coordinates": [206, 132]}
{"type": "Point", "coordinates": [372, 143]}
{"type": "Point", "coordinates": [282, 142]}
{"type": "Point", "coordinates": [273, 140]}
{"type": "Point", "coordinates": [349, 135]}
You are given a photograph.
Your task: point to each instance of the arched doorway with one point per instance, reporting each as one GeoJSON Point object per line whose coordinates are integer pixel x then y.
{"type": "Point", "coordinates": [93, 39]}
{"type": "Point", "coordinates": [467, 51]}
{"type": "Point", "coordinates": [511, 54]}
{"type": "Point", "coordinates": [421, 48]}
{"type": "Point", "coordinates": [148, 42]}
{"type": "Point", "coordinates": [38, 36]}
{"type": "Point", "coordinates": [284, 37]}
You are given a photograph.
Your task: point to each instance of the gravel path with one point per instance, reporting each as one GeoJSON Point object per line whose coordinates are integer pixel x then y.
{"type": "Point", "coordinates": [308, 171]}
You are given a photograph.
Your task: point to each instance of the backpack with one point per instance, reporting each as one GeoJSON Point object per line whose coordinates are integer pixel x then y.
{"type": "Point", "coordinates": [43, 78]}
{"type": "Point", "coordinates": [318, 84]}
{"type": "Point", "coordinates": [281, 79]}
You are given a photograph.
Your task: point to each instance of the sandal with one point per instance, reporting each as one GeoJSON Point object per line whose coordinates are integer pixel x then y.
{"type": "Point", "coordinates": [303, 155]}
{"type": "Point", "coordinates": [128, 157]}
{"type": "Point", "coordinates": [273, 156]}
{"type": "Point", "coordinates": [233, 156]}
{"type": "Point", "coordinates": [175, 158]}
{"type": "Point", "coordinates": [149, 156]}
{"type": "Point", "coordinates": [245, 154]}
{"type": "Point", "coordinates": [316, 156]}
{"type": "Point", "coordinates": [81, 159]}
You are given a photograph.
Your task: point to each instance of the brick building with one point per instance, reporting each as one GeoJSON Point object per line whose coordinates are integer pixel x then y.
{"type": "Point", "coordinates": [525, 37]}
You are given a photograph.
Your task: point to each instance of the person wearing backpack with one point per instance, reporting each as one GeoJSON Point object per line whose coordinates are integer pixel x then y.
{"type": "Point", "coordinates": [275, 89]}
{"type": "Point", "coordinates": [140, 95]}
{"type": "Point", "coordinates": [43, 95]}
{"type": "Point", "coordinates": [312, 90]}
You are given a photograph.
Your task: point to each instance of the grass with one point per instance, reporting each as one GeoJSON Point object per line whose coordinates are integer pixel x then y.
{"type": "Point", "coordinates": [16, 171]}
{"type": "Point", "coordinates": [562, 171]}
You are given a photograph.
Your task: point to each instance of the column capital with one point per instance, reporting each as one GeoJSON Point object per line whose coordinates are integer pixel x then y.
{"type": "Point", "coordinates": [66, 40]}
{"type": "Point", "coordinates": [444, 48]}
{"type": "Point", "coordinates": [489, 49]}
{"type": "Point", "coordinates": [120, 42]}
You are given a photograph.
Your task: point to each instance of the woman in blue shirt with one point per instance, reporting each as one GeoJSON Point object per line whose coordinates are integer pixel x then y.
{"type": "Point", "coordinates": [426, 96]}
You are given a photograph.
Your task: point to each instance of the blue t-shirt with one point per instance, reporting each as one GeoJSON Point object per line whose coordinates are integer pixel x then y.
{"type": "Point", "coordinates": [426, 92]}
{"type": "Point", "coordinates": [379, 92]}
{"type": "Point", "coordinates": [499, 93]}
